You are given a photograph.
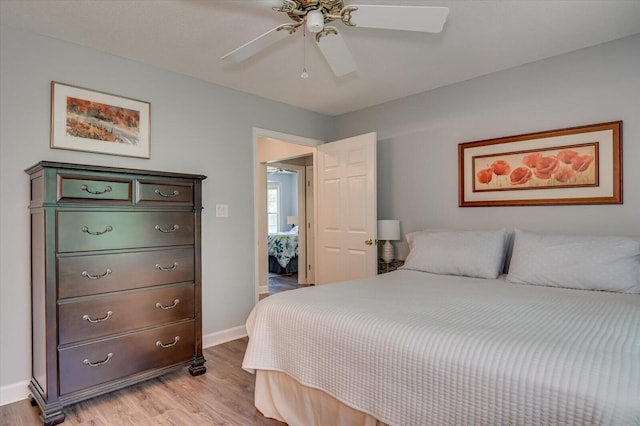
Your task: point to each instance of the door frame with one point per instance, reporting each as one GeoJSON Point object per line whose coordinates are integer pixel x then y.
{"type": "Point", "coordinates": [301, 172]}
{"type": "Point", "coordinates": [259, 208]}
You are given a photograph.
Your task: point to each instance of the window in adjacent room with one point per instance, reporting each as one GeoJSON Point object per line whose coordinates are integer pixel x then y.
{"type": "Point", "coordinates": [273, 206]}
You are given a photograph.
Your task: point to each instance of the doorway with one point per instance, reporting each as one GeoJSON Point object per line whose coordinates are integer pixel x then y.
{"type": "Point", "coordinates": [289, 224]}
{"type": "Point", "coordinates": [344, 183]}
{"type": "Point", "coordinates": [297, 154]}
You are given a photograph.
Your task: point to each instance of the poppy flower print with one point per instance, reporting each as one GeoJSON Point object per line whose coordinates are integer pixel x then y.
{"type": "Point", "coordinates": [562, 166]}
{"type": "Point", "coordinates": [580, 163]}
{"type": "Point", "coordinates": [545, 167]}
{"type": "Point", "coordinates": [520, 176]}
{"type": "Point", "coordinates": [566, 155]}
{"type": "Point", "coordinates": [531, 159]}
{"type": "Point", "coordinates": [501, 167]}
{"type": "Point", "coordinates": [564, 174]}
{"type": "Point", "coordinates": [484, 176]}
{"type": "Point", "coordinates": [574, 165]}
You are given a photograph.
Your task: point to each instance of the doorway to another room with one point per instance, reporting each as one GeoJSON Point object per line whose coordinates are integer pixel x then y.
{"type": "Point", "coordinates": [335, 242]}
{"type": "Point", "coordinates": [285, 186]}
{"type": "Point", "coordinates": [285, 212]}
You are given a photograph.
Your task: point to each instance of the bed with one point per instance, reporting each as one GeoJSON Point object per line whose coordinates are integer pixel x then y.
{"type": "Point", "coordinates": [283, 252]}
{"type": "Point", "coordinates": [429, 344]}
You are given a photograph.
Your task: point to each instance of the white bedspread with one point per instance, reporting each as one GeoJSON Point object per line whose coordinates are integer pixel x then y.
{"type": "Point", "coordinates": [412, 348]}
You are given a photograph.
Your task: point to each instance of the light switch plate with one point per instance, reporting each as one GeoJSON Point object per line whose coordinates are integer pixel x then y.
{"type": "Point", "coordinates": [222, 210]}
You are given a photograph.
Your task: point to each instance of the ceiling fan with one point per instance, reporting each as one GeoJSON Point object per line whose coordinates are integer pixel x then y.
{"type": "Point", "coordinates": [316, 14]}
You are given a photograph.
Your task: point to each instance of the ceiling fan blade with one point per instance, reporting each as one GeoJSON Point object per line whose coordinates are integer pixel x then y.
{"type": "Point", "coordinates": [406, 18]}
{"type": "Point", "coordinates": [256, 45]}
{"type": "Point", "coordinates": [337, 54]}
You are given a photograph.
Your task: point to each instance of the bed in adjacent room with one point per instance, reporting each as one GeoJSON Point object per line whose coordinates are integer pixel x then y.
{"type": "Point", "coordinates": [283, 252]}
{"type": "Point", "coordinates": [554, 341]}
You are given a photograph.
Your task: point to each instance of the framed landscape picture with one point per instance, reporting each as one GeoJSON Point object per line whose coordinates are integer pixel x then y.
{"type": "Point", "coordinates": [578, 165]}
{"type": "Point", "coordinates": [92, 121]}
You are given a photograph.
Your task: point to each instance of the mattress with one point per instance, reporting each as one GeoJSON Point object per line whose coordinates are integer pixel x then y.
{"type": "Point", "coordinates": [412, 348]}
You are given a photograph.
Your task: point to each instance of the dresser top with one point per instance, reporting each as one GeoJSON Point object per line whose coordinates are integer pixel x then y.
{"type": "Point", "coordinates": [84, 167]}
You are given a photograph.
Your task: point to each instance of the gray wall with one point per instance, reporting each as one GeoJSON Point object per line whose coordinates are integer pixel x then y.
{"type": "Point", "coordinates": [418, 138]}
{"type": "Point", "coordinates": [196, 127]}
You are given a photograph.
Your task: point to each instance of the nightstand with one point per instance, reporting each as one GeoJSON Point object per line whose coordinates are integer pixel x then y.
{"type": "Point", "coordinates": [388, 267]}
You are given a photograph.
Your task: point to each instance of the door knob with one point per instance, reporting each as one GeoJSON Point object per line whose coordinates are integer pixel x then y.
{"type": "Point", "coordinates": [368, 242]}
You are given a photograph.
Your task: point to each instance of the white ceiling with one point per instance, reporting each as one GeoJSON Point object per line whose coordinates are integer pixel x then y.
{"type": "Point", "coordinates": [190, 36]}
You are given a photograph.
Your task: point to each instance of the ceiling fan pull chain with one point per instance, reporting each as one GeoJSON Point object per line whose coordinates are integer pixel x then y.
{"type": "Point", "coordinates": [304, 73]}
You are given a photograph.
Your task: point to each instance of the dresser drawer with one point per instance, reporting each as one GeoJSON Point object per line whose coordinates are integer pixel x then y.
{"type": "Point", "coordinates": [99, 362]}
{"type": "Point", "coordinates": [106, 315]}
{"type": "Point", "coordinates": [153, 193]}
{"type": "Point", "coordinates": [96, 230]}
{"type": "Point", "coordinates": [75, 188]}
{"type": "Point", "coordinates": [104, 273]}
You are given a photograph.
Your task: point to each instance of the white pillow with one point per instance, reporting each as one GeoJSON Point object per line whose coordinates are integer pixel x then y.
{"type": "Point", "coordinates": [572, 261]}
{"type": "Point", "coordinates": [470, 253]}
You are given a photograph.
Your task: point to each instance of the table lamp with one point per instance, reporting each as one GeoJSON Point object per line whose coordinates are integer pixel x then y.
{"type": "Point", "coordinates": [388, 230]}
{"type": "Point", "coordinates": [292, 220]}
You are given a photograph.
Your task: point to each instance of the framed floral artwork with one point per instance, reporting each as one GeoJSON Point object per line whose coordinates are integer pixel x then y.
{"type": "Point", "coordinates": [578, 165]}
{"type": "Point", "coordinates": [92, 121]}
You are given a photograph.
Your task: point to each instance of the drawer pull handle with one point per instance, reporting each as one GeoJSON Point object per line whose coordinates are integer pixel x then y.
{"type": "Point", "coordinates": [168, 345]}
{"type": "Point", "coordinates": [170, 268]}
{"type": "Point", "coordinates": [107, 229]}
{"type": "Point", "coordinates": [86, 188]}
{"type": "Point", "coordinates": [175, 303]}
{"type": "Point", "coordinates": [93, 321]}
{"type": "Point", "coordinates": [99, 363]}
{"type": "Point", "coordinates": [174, 194]}
{"type": "Point", "coordinates": [95, 277]}
{"type": "Point", "coordinates": [175, 228]}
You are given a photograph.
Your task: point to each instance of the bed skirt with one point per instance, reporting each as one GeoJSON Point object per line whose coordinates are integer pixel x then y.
{"type": "Point", "coordinates": [276, 268]}
{"type": "Point", "coordinates": [280, 397]}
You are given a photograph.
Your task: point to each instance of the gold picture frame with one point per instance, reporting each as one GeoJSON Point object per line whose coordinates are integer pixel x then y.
{"type": "Point", "coordinates": [92, 121]}
{"type": "Point", "coordinates": [577, 165]}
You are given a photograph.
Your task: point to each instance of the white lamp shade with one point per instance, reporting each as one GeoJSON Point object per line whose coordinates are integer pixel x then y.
{"type": "Point", "coordinates": [292, 220]}
{"type": "Point", "coordinates": [388, 230]}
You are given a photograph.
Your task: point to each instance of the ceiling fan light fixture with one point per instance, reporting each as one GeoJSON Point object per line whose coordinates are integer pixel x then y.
{"type": "Point", "coordinates": [312, 15]}
{"type": "Point", "coordinates": [315, 21]}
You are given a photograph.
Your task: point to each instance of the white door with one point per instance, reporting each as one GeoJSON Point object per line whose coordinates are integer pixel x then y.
{"type": "Point", "coordinates": [346, 209]}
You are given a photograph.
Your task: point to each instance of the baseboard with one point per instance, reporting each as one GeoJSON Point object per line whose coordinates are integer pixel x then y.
{"type": "Point", "coordinates": [220, 337]}
{"type": "Point", "coordinates": [20, 391]}
{"type": "Point", "coordinates": [14, 392]}
{"type": "Point", "coordinates": [263, 289]}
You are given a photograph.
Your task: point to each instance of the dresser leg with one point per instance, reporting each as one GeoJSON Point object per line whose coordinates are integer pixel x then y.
{"type": "Point", "coordinates": [50, 414]}
{"type": "Point", "coordinates": [52, 419]}
{"type": "Point", "coordinates": [197, 367]}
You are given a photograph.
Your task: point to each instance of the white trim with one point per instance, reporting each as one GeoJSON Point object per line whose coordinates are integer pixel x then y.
{"type": "Point", "coordinates": [224, 336]}
{"type": "Point", "coordinates": [13, 393]}
{"type": "Point", "coordinates": [257, 208]}
{"type": "Point", "coordinates": [263, 289]}
{"type": "Point", "coordinates": [285, 137]}
{"type": "Point", "coordinates": [302, 219]}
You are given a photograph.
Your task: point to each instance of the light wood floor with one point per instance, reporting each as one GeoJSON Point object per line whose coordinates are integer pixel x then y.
{"type": "Point", "coordinates": [222, 396]}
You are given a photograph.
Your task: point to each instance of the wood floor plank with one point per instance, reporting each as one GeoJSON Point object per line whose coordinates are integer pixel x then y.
{"type": "Point", "coordinates": [222, 396]}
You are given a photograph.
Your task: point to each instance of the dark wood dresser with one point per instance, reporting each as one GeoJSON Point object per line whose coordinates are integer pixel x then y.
{"type": "Point", "coordinates": [116, 280]}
